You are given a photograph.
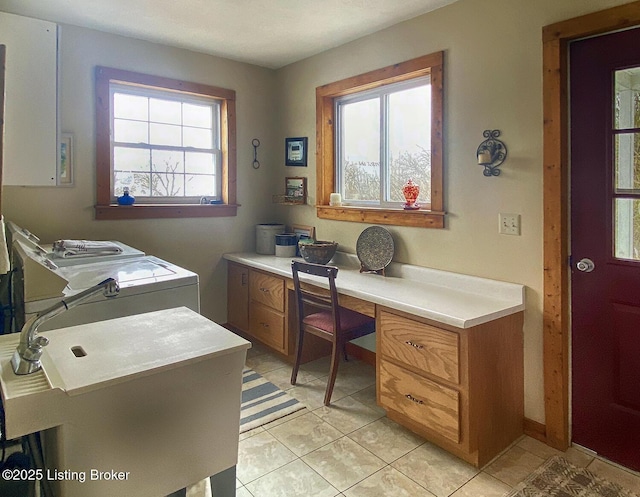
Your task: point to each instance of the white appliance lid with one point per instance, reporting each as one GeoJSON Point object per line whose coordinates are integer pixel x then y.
{"type": "Point", "coordinates": [129, 273]}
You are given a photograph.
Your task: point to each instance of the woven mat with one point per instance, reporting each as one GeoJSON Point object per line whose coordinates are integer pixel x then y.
{"type": "Point", "coordinates": [557, 477]}
{"type": "Point", "coordinates": [263, 402]}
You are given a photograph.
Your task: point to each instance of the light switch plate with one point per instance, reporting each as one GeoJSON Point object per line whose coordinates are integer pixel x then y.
{"type": "Point", "coordinates": [509, 224]}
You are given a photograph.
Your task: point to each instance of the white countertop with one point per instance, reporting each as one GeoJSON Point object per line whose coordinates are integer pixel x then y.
{"type": "Point", "coordinates": [117, 351]}
{"type": "Point", "coordinates": [120, 349]}
{"type": "Point", "coordinates": [450, 298]}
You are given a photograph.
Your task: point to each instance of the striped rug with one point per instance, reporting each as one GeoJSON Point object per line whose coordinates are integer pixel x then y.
{"type": "Point", "coordinates": [263, 402]}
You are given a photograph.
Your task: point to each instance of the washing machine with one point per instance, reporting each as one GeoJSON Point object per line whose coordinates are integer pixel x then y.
{"type": "Point", "coordinates": [147, 283]}
{"type": "Point", "coordinates": [28, 239]}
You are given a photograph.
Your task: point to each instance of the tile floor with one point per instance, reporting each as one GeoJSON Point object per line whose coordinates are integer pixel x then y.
{"type": "Point", "coordinates": [352, 450]}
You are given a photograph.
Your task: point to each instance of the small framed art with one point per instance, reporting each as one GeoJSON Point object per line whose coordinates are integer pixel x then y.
{"type": "Point", "coordinates": [65, 169]}
{"type": "Point", "coordinates": [296, 190]}
{"type": "Point", "coordinates": [295, 150]}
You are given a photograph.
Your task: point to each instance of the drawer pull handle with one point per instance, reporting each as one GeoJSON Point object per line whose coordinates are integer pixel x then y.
{"type": "Point", "coordinates": [263, 324]}
{"type": "Point", "coordinates": [264, 290]}
{"type": "Point", "coordinates": [413, 399]}
{"type": "Point", "coordinates": [413, 344]}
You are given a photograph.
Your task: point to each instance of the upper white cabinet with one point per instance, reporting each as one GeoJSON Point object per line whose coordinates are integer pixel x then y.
{"type": "Point", "coordinates": [30, 132]}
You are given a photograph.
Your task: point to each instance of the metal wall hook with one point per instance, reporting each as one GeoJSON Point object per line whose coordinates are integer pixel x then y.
{"type": "Point", "coordinates": [256, 143]}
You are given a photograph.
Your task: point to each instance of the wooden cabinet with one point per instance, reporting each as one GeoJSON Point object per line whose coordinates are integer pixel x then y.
{"type": "Point", "coordinates": [238, 296]}
{"type": "Point", "coordinates": [257, 306]}
{"type": "Point", "coordinates": [266, 309]}
{"type": "Point", "coordinates": [460, 388]}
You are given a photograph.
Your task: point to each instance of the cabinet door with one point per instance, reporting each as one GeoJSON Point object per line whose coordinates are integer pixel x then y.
{"type": "Point", "coordinates": [238, 296]}
{"type": "Point", "coordinates": [30, 130]}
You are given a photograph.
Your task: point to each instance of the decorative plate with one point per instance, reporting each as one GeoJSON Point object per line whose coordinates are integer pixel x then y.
{"type": "Point", "coordinates": [375, 248]}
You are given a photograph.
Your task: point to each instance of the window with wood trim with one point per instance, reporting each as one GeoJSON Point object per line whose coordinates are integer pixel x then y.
{"type": "Point", "coordinates": [171, 143]}
{"type": "Point", "coordinates": [364, 124]}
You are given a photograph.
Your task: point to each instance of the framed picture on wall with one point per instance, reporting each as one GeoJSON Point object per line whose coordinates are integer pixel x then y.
{"type": "Point", "coordinates": [295, 150]}
{"type": "Point", "coordinates": [65, 168]}
{"type": "Point", "coordinates": [296, 190]}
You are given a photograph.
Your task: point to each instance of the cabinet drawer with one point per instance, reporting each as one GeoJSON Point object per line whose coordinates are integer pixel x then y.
{"type": "Point", "coordinates": [419, 345]}
{"type": "Point", "coordinates": [434, 406]}
{"type": "Point", "coordinates": [267, 289]}
{"type": "Point", "coordinates": [267, 325]}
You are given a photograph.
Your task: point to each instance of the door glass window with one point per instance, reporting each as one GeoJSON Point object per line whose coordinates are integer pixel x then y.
{"type": "Point", "coordinates": [626, 141]}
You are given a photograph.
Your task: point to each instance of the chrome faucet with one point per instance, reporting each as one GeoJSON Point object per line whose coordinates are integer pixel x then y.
{"type": "Point", "coordinates": [26, 358]}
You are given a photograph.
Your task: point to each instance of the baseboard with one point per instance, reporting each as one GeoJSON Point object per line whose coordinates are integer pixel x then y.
{"type": "Point", "coordinates": [536, 430]}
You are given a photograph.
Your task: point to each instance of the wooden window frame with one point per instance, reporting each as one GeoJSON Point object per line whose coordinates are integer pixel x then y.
{"type": "Point", "coordinates": [428, 65]}
{"type": "Point", "coordinates": [105, 209]}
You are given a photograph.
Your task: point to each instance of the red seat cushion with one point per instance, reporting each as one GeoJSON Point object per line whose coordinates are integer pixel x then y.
{"type": "Point", "coordinates": [348, 320]}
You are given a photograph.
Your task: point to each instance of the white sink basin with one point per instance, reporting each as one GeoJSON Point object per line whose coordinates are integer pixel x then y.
{"type": "Point", "coordinates": [154, 395]}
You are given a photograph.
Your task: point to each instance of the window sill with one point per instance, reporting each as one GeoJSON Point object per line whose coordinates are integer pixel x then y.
{"type": "Point", "coordinates": [157, 211]}
{"type": "Point", "coordinates": [397, 217]}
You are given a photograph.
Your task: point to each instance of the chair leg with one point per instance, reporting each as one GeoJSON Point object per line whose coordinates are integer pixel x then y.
{"type": "Point", "coordinates": [333, 371]}
{"type": "Point", "coordinates": [296, 364]}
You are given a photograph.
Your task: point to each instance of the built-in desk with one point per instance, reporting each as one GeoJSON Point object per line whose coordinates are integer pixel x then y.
{"type": "Point", "coordinates": [449, 347]}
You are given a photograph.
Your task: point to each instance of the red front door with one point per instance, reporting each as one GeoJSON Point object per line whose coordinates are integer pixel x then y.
{"type": "Point", "coordinates": [605, 245]}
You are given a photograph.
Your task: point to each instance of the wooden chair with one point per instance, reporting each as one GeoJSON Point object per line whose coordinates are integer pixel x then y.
{"type": "Point", "coordinates": [321, 316]}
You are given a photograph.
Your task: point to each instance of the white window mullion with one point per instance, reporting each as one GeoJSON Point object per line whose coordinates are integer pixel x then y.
{"type": "Point", "coordinates": [383, 149]}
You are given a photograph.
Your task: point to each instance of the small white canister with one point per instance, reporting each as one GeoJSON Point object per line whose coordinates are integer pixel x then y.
{"type": "Point", "coordinates": [266, 237]}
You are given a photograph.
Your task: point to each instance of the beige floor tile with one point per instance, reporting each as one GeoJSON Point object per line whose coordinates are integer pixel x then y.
{"type": "Point", "coordinates": [343, 463]}
{"type": "Point", "coordinates": [238, 483]}
{"type": "Point", "coordinates": [265, 362]}
{"type": "Point", "coordinates": [387, 482]}
{"type": "Point", "coordinates": [482, 485]}
{"type": "Point", "coordinates": [258, 349]}
{"type": "Point", "coordinates": [317, 368]}
{"type": "Point", "coordinates": [285, 419]}
{"type": "Point", "coordinates": [354, 376]}
{"type": "Point", "coordinates": [243, 492]}
{"type": "Point", "coordinates": [614, 474]}
{"type": "Point", "coordinates": [368, 397]}
{"type": "Point", "coordinates": [281, 377]}
{"type": "Point", "coordinates": [514, 465]}
{"type": "Point", "coordinates": [312, 394]}
{"type": "Point", "coordinates": [386, 439]}
{"type": "Point", "coordinates": [305, 434]}
{"type": "Point", "coordinates": [573, 455]}
{"type": "Point", "coordinates": [251, 433]}
{"type": "Point", "coordinates": [260, 454]}
{"type": "Point", "coordinates": [578, 457]}
{"type": "Point", "coordinates": [538, 448]}
{"type": "Point", "coordinates": [435, 469]}
{"type": "Point", "coordinates": [200, 489]}
{"type": "Point", "coordinates": [347, 414]}
{"type": "Point", "coordinates": [296, 479]}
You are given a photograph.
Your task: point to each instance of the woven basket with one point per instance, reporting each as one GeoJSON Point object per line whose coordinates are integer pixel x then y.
{"type": "Point", "coordinates": [318, 252]}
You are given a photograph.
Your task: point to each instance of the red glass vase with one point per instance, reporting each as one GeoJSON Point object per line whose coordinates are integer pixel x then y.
{"type": "Point", "coordinates": [411, 191]}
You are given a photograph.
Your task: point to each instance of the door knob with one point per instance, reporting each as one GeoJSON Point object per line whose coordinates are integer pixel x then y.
{"type": "Point", "coordinates": [585, 265]}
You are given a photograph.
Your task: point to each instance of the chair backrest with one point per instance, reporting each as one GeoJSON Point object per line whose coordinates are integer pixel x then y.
{"type": "Point", "coordinates": [307, 299]}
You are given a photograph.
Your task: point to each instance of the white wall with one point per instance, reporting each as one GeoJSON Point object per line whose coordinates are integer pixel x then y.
{"type": "Point", "coordinates": [493, 80]}
{"type": "Point", "coordinates": [197, 243]}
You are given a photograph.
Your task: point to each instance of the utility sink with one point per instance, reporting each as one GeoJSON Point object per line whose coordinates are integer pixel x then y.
{"type": "Point", "coordinates": [141, 405]}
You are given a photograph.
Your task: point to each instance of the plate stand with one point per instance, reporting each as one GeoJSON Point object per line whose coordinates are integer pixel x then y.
{"type": "Point", "coordinates": [363, 269]}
